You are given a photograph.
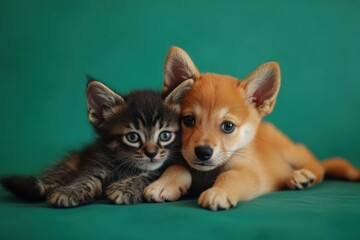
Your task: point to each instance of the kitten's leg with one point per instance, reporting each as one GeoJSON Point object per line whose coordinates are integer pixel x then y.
{"type": "Point", "coordinates": [34, 189]}
{"type": "Point", "coordinates": [172, 184]}
{"type": "Point", "coordinates": [129, 190]}
{"type": "Point", "coordinates": [83, 190]}
{"type": "Point", "coordinates": [308, 171]}
{"type": "Point", "coordinates": [61, 174]}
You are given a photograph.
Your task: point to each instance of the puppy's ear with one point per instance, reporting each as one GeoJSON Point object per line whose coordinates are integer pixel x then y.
{"type": "Point", "coordinates": [175, 97]}
{"type": "Point", "coordinates": [262, 86]}
{"type": "Point", "coordinates": [100, 99]}
{"type": "Point", "coordinates": [178, 68]}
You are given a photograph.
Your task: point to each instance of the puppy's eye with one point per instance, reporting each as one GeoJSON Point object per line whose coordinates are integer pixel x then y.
{"type": "Point", "coordinates": [133, 137]}
{"type": "Point", "coordinates": [165, 136]}
{"type": "Point", "coordinates": [227, 127]}
{"type": "Point", "coordinates": [188, 121]}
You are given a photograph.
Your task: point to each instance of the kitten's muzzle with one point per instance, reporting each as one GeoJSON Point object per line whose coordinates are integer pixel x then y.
{"type": "Point", "coordinates": [151, 150]}
{"type": "Point", "coordinates": [203, 152]}
{"type": "Point", "coordinates": [151, 154]}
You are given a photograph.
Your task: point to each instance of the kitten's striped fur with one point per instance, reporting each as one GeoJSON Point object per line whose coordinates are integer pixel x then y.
{"type": "Point", "coordinates": [138, 136]}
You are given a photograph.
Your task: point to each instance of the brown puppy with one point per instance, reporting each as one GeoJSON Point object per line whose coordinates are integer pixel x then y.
{"type": "Point", "coordinates": [223, 136]}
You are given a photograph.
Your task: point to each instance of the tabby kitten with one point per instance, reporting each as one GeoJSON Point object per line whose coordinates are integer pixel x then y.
{"type": "Point", "coordinates": [138, 136]}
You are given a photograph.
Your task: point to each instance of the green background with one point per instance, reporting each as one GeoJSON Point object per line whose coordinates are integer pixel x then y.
{"type": "Point", "coordinates": [47, 48]}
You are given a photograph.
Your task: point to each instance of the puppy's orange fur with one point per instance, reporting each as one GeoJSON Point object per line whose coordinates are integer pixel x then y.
{"type": "Point", "coordinates": [254, 158]}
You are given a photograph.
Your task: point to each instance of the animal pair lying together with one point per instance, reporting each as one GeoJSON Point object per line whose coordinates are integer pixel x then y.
{"type": "Point", "coordinates": [220, 150]}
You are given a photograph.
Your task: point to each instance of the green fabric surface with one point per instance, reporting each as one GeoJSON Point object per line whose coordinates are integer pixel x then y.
{"type": "Point", "coordinates": [328, 211]}
{"type": "Point", "coordinates": [47, 48]}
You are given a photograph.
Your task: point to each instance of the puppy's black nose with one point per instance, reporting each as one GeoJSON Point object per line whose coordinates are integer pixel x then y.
{"type": "Point", "coordinates": [203, 153]}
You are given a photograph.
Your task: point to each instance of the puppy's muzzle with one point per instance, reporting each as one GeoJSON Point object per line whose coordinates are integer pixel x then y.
{"type": "Point", "coordinates": [204, 152]}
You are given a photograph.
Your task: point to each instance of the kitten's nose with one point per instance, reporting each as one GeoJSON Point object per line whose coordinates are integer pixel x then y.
{"type": "Point", "coordinates": [203, 153]}
{"type": "Point", "coordinates": [151, 154]}
{"type": "Point", "coordinates": [151, 150]}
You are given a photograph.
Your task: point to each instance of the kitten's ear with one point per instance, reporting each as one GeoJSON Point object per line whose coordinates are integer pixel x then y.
{"type": "Point", "coordinates": [100, 98]}
{"type": "Point", "coordinates": [262, 86]}
{"type": "Point", "coordinates": [176, 95]}
{"type": "Point", "coordinates": [178, 68]}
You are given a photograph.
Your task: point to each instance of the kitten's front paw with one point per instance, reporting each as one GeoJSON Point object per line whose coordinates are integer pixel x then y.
{"type": "Point", "coordinates": [161, 192]}
{"type": "Point", "coordinates": [216, 199]}
{"type": "Point", "coordinates": [122, 193]}
{"type": "Point", "coordinates": [301, 179]}
{"type": "Point", "coordinates": [65, 198]}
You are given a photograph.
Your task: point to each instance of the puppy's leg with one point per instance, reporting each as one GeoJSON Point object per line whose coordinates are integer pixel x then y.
{"type": "Point", "coordinates": [308, 171]}
{"type": "Point", "coordinates": [230, 187]}
{"type": "Point", "coordinates": [172, 184]}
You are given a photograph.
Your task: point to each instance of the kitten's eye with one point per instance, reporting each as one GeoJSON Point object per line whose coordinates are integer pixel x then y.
{"type": "Point", "coordinates": [227, 127]}
{"type": "Point", "coordinates": [188, 121]}
{"type": "Point", "coordinates": [133, 137]}
{"type": "Point", "coordinates": [165, 136]}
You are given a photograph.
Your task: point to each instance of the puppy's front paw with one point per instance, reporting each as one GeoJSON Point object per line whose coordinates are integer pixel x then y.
{"type": "Point", "coordinates": [301, 179]}
{"type": "Point", "coordinates": [65, 198]}
{"type": "Point", "coordinates": [216, 199]}
{"type": "Point", "coordinates": [122, 193]}
{"type": "Point", "coordinates": [161, 192]}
